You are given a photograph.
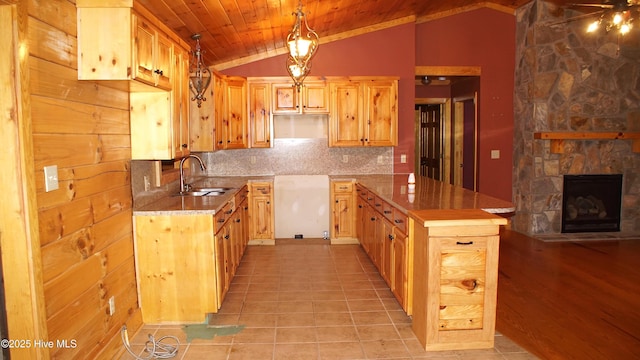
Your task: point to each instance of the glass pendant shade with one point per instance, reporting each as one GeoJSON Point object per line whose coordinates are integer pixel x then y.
{"type": "Point", "coordinates": [302, 43]}
{"type": "Point", "coordinates": [199, 75]}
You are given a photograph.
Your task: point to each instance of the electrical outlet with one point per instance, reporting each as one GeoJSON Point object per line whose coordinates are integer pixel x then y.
{"type": "Point", "coordinates": [345, 158]}
{"type": "Point", "coordinates": [112, 305]}
{"type": "Point", "coordinates": [252, 159]}
{"type": "Point", "coordinates": [50, 178]}
{"type": "Point", "coordinates": [380, 159]}
{"type": "Point", "coordinates": [403, 158]}
{"type": "Point", "coordinates": [495, 154]}
{"type": "Point", "coordinates": [147, 183]}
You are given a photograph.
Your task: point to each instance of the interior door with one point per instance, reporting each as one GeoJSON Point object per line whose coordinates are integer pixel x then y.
{"type": "Point", "coordinates": [430, 141]}
{"type": "Point", "coordinates": [465, 143]}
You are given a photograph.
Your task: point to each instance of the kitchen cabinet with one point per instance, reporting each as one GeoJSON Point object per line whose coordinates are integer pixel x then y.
{"type": "Point", "coordinates": [165, 280]}
{"type": "Point", "coordinates": [214, 246]}
{"type": "Point", "coordinates": [159, 120]}
{"type": "Point", "coordinates": [261, 219]}
{"type": "Point", "coordinates": [454, 298]}
{"type": "Point", "coordinates": [311, 98]}
{"type": "Point", "coordinates": [152, 54]}
{"type": "Point", "coordinates": [363, 112]}
{"type": "Point", "coordinates": [231, 121]}
{"type": "Point", "coordinates": [259, 114]}
{"type": "Point", "coordinates": [343, 220]}
{"type": "Point", "coordinates": [382, 234]}
{"type": "Point", "coordinates": [118, 42]}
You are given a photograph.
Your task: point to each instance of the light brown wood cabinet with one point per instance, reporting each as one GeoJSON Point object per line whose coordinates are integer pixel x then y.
{"type": "Point", "coordinates": [118, 43]}
{"type": "Point", "coordinates": [382, 234]}
{"type": "Point", "coordinates": [261, 219]}
{"type": "Point", "coordinates": [363, 112]}
{"type": "Point", "coordinates": [259, 114]}
{"type": "Point", "coordinates": [311, 98]}
{"type": "Point", "coordinates": [231, 129]}
{"type": "Point", "coordinates": [214, 246]}
{"type": "Point", "coordinates": [343, 220]}
{"type": "Point", "coordinates": [454, 298]}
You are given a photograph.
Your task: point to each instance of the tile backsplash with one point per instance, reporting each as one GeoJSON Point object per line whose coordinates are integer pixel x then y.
{"type": "Point", "coordinates": [300, 157]}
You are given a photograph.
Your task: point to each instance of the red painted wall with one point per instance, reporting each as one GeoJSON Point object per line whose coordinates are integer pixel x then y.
{"type": "Point", "coordinates": [389, 52]}
{"type": "Point", "coordinates": [484, 38]}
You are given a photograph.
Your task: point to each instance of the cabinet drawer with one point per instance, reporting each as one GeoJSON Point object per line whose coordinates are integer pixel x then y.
{"type": "Point", "coordinates": [342, 187]}
{"type": "Point", "coordinates": [362, 191]}
{"type": "Point", "coordinates": [261, 188]}
{"type": "Point", "coordinates": [241, 195]}
{"type": "Point", "coordinates": [387, 211]}
{"type": "Point", "coordinates": [223, 215]}
{"type": "Point", "coordinates": [400, 220]}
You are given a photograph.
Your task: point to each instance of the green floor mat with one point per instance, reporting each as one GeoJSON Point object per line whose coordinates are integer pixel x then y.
{"type": "Point", "coordinates": [205, 331]}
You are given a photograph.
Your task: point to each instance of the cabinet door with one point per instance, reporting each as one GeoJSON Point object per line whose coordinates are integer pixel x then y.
{"type": "Point", "coordinates": [162, 62]}
{"type": "Point", "coordinates": [361, 219]}
{"type": "Point", "coordinates": [260, 115]}
{"type": "Point", "coordinates": [399, 267]}
{"type": "Point", "coordinates": [315, 97]}
{"type": "Point", "coordinates": [386, 239]}
{"type": "Point", "coordinates": [345, 117]}
{"type": "Point", "coordinates": [285, 99]}
{"type": "Point", "coordinates": [343, 216]}
{"type": "Point", "coordinates": [381, 113]}
{"type": "Point", "coordinates": [181, 104]}
{"type": "Point", "coordinates": [236, 115]}
{"type": "Point", "coordinates": [145, 37]}
{"type": "Point", "coordinates": [222, 263]}
{"type": "Point", "coordinates": [151, 140]}
{"type": "Point", "coordinates": [219, 111]}
{"type": "Point", "coordinates": [261, 212]}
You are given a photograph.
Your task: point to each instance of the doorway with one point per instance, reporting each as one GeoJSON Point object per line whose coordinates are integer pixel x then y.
{"type": "Point", "coordinates": [447, 124]}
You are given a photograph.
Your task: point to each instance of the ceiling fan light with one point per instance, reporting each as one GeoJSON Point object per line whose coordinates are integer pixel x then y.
{"type": "Point", "coordinates": [593, 26]}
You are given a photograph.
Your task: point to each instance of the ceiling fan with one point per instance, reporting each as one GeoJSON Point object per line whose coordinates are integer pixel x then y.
{"type": "Point", "coordinates": [615, 14]}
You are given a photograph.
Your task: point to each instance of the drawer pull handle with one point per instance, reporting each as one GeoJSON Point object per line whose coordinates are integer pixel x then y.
{"type": "Point", "coordinates": [398, 221]}
{"type": "Point", "coordinates": [387, 211]}
{"type": "Point", "coordinates": [261, 189]}
{"type": "Point", "coordinates": [464, 243]}
{"type": "Point", "coordinates": [228, 211]}
{"type": "Point", "coordinates": [221, 220]}
{"type": "Point", "coordinates": [369, 198]}
{"type": "Point", "coordinates": [378, 204]}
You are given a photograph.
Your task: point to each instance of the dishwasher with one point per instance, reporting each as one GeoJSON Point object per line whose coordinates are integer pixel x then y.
{"type": "Point", "coordinates": [301, 208]}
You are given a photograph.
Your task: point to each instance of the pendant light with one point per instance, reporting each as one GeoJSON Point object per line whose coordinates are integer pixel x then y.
{"type": "Point", "coordinates": [199, 75]}
{"type": "Point", "coordinates": [302, 43]}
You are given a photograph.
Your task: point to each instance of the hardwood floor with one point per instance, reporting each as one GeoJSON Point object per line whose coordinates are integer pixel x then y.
{"type": "Point", "coordinates": [570, 300]}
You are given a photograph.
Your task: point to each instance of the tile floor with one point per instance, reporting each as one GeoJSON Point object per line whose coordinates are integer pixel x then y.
{"type": "Point", "coordinates": [305, 299]}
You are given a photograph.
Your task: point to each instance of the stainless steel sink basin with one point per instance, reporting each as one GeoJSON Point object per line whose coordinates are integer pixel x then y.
{"type": "Point", "coordinates": [214, 189]}
{"type": "Point", "coordinates": [199, 192]}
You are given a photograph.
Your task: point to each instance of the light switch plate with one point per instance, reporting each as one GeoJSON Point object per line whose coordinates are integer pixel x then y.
{"type": "Point", "coordinates": [495, 154]}
{"type": "Point", "coordinates": [403, 158]}
{"type": "Point", "coordinates": [51, 178]}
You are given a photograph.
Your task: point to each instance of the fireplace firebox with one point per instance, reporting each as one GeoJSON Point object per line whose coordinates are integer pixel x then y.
{"type": "Point", "coordinates": [591, 203]}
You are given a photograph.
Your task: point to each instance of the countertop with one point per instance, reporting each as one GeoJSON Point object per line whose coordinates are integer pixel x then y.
{"type": "Point", "coordinates": [394, 189]}
{"type": "Point", "coordinates": [191, 205]}
{"type": "Point", "coordinates": [428, 194]}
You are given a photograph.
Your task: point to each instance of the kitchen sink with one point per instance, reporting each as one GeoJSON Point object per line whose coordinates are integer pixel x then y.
{"type": "Point", "coordinates": [200, 192]}
{"type": "Point", "coordinates": [213, 189]}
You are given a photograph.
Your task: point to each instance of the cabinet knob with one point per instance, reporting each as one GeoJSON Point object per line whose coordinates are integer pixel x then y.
{"type": "Point", "coordinates": [184, 146]}
{"type": "Point", "coordinates": [373, 219]}
{"type": "Point", "coordinates": [159, 72]}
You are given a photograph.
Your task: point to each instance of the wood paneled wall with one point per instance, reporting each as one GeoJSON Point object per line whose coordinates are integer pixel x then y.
{"type": "Point", "coordinates": [85, 226]}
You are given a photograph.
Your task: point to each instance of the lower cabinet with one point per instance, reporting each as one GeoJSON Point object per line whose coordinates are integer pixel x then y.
{"type": "Point", "coordinates": [185, 263]}
{"type": "Point", "coordinates": [454, 298]}
{"type": "Point", "coordinates": [381, 230]}
{"type": "Point", "coordinates": [261, 219]}
{"type": "Point", "coordinates": [343, 212]}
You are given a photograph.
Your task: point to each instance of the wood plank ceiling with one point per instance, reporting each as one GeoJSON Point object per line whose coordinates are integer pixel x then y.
{"type": "Point", "coordinates": [240, 31]}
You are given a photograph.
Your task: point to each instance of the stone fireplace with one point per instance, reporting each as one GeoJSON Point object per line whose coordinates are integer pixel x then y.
{"type": "Point", "coordinates": [584, 85]}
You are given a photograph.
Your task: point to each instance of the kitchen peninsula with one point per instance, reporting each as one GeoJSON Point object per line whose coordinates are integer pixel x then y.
{"type": "Point", "coordinates": [435, 244]}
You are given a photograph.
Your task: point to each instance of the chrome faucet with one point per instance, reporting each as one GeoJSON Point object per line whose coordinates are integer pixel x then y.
{"type": "Point", "coordinates": [183, 186]}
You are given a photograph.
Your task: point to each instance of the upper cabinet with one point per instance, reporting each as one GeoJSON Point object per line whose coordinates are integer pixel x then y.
{"type": "Point", "coordinates": [122, 41]}
{"type": "Point", "coordinates": [260, 114]}
{"type": "Point", "coordinates": [363, 112]}
{"type": "Point", "coordinates": [311, 98]}
{"type": "Point", "coordinates": [117, 43]}
{"type": "Point", "coordinates": [221, 121]}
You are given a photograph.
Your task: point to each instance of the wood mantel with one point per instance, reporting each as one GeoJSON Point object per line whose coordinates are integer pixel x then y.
{"type": "Point", "coordinates": [557, 138]}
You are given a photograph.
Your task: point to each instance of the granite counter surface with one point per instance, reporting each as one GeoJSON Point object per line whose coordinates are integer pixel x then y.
{"type": "Point", "coordinates": [191, 205]}
{"type": "Point", "coordinates": [428, 194]}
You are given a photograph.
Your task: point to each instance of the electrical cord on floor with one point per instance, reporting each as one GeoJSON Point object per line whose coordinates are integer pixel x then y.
{"type": "Point", "coordinates": [156, 348]}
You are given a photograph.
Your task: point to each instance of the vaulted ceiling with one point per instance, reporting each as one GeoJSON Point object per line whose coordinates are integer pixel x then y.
{"type": "Point", "coordinates": [240, 31]}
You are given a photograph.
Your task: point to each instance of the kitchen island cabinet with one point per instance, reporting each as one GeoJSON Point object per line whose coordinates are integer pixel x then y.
{"type": "Point", "coordinates": [454, 298]}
